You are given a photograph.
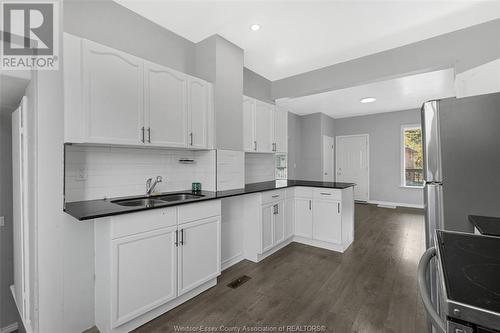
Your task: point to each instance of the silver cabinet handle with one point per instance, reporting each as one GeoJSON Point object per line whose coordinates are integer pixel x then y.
{"type": "Point", "coordinates": [255, 145]}
{"type": "Point", "coordinates": [191, 138]}
{"type": "Point", "coordinates": [310, 204]}
{"type": "Point", "coordinates": [182, 237]}
{"type": "Point", "coordinates": [176, 238]}
{"type": "Point", "coordinates": [143, 135]}
{"type": "Point", "coordinates": [423, 265]}
{"type": "Point", "coordinates": [149, 134]}
{"type": "Point", "coordinates": [338, 207]}
{"type": "Point", "coordinates": [323, 193]}
{"type": "Point", "coordinates": [277, 209]}
{"type": "Point", "coordinates": [275, 196]}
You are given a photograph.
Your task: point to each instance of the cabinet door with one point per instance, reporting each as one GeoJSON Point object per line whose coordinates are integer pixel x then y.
{"type": "Point", "coordinates": [166, 106]}
{"type": "Point", "coordinates": [289, 217]}
{"type": "Point", "coordinates": [264, 126]}
{"type": "Point", "coordinates": [281, 131]}
{"type": "Point", "coordinates": [249, 143]}
{"type": "Point", "coordinates": [112, 95]}
{"type": "Point", "coordinates": [279, 222]}
{"type": "Point", "coordinates": [144, 273]}
{"type": "Point", "coordinates": [267, 227]}
{"type": "Point", "coordinates": [303, 217]}
{"type": "Point", "coordinates": [199, 253]}
{"type": "Point", "coordinates": [199, 110]}
{"type": "Point", "coordinates": [327, 223]}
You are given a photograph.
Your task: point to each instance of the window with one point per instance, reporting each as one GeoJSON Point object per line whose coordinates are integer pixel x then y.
{"type": "Point", "coordinates": [412, 173]}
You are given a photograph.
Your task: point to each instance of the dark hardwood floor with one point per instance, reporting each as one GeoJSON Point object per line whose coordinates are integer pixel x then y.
{"type": "Point", "coordinates": [370, 288]}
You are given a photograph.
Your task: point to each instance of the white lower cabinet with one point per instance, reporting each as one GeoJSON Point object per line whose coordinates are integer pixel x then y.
{"type": "Point", "coordinates": [267, 227]}
{"type": "Point", "coordinates": [327, 222]}
{"type": "Point", "coordinates": [199, 253]}
{"type": "Point", "coordinates": [148, 262]}
{"type": "Point", "coordinates": [141, 280]}
{"type": "Point", "coordinates": [279, 222]}
{"type": "Point", "coordinates": [324, 217]}
{"type": "Point", "coordinates": [303, 217]}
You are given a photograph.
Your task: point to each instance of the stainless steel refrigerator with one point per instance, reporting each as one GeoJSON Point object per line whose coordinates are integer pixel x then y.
{"type": "Point", "coordinates": [461, 141]}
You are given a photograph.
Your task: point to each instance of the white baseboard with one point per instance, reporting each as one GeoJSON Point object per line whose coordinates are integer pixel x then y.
{"type": "Point", "coordinates": [10, 328]}
{"type": "Point", "coordinates": [231, 261]}
{"type": "Point", "coordinates": [388, 204]}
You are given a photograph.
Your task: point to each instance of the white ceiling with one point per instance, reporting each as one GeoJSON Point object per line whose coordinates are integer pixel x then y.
{"type": "Point", "coordinates": [392, 95]}
{"type": "Point", "coordinates": [299, 36]}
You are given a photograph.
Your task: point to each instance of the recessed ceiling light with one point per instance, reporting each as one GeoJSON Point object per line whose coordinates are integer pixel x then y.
{"type": "Point", "coordinates": [368, 100]}
{"type": "Point", "coordinates": [255, 27]}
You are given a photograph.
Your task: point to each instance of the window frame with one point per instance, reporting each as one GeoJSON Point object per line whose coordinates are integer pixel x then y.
{"type": "Point", "coordinates": [404, 128]}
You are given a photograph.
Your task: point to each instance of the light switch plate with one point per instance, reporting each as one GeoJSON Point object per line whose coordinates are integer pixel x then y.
{"type": "Point", "coordinates": [2, 221]}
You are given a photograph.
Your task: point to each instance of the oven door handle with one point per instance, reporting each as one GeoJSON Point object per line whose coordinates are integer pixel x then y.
{"type": "Point", "coordinates": [423, 266]}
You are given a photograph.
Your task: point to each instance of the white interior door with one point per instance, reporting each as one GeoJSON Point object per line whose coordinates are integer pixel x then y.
{"type": "Point", "coordinates": [328, 149]}
{"type": "Point", "coordinates": [352, 163]}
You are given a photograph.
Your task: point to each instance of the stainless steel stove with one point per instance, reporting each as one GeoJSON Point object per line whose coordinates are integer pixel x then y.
{"type": "Point", "coordinates": [469, 278]}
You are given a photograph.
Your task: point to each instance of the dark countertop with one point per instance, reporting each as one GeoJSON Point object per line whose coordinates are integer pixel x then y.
{"type": "Point", "coordinates": [486, 225]}
{"type": "Point", "coordinates": [93, 209]}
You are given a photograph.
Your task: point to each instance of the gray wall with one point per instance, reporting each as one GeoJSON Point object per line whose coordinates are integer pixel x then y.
{"type": "Point", "coordinates": [111, 24]}
{"type": "Point", "coordinates": [305, 145]}
{"type": "Point", "coordinates": [256, 86]}
{"type": "Point", "coordinates": [385, 153]}
{"type": "Point", "coordinates": [461, 49]}
{"type": "Point", "coordinates": [8, 311]}
{"type": "Point", "coordinates": [221, 62]}
{"type": "Point", "coordinates": [294, 145]}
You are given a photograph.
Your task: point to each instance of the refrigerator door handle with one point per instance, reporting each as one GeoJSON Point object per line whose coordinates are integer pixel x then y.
{"type": "Point", "coordinates": [431, 142]}
{"type": "Point", "coordinates": [423, 290]}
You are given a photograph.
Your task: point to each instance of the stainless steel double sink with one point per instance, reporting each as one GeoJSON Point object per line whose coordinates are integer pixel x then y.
{"type": "Point", "coordinates": [156, 200]}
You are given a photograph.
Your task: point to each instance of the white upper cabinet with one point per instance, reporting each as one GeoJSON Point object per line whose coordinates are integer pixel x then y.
{"type": "Point", "coordinates": [258, 126]}
{"type": "Point", "coordinates": [281, 131]}
{"type": "Point", "coordinates": [249, 143]}
{"type": "Point", "coordinates": [166, 106]}
{"type": "Point", "coordinates": [264, 127]}
{"type": "Point", "coordinates": [112, 95]}
{"type": "Point", "coordinates": [200, 113]}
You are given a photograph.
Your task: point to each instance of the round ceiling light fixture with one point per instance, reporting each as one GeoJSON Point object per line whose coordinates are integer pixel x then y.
{"type": "Point", "coordinates": [368, 100]}
{"type": "Point", "coordinates": [255, 27]}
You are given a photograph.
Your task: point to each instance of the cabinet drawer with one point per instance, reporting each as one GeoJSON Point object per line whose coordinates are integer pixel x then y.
{"type": "Point", "coordinates": [303, 192]}
{"type": "Point", "coordinates": [327, 194]}
{"type": "Point", "coordinates": [273, 196]}
{"type": "Point", "coordinates": [134, 223]}
{"type": "Point", "coordinates": [198, 211]}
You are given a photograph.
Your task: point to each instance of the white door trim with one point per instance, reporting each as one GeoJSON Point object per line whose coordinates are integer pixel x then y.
{"type": "Point", "coordinates": [365, 135]}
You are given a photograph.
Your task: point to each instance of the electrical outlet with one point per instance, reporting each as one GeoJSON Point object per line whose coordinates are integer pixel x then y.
{"type": "Point", "coordinates": [2, 221]}
{"type": "Point", "coordinates": [82, 173]}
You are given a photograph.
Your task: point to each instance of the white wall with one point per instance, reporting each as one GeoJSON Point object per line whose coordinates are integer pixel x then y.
{"type": "Point", "coordinates": [115, 172]}
{"type": "Point", "coordinates": [259, 167]}
{"type": "Point", "coordinates": [8, 311]}
{"type": "Point", "coordinates": [385, 153]}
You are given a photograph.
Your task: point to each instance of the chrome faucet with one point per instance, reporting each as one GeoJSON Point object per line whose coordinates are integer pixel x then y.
{"type": "Point", "coordinates": [150, 187]}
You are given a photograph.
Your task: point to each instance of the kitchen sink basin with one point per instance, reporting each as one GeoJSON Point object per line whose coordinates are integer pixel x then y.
{"type": "Point", "coordinates": [179, 197]}
{"type": "Point", "coordinates": [145, 202]}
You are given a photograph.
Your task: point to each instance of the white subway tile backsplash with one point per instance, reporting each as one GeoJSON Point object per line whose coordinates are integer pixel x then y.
{"type": "Point", "coordinates": [114, 172]}
{"type": "Point", "coordinates": [230, 169]}
{"type": "Point", "coordinates": [259, 167]}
